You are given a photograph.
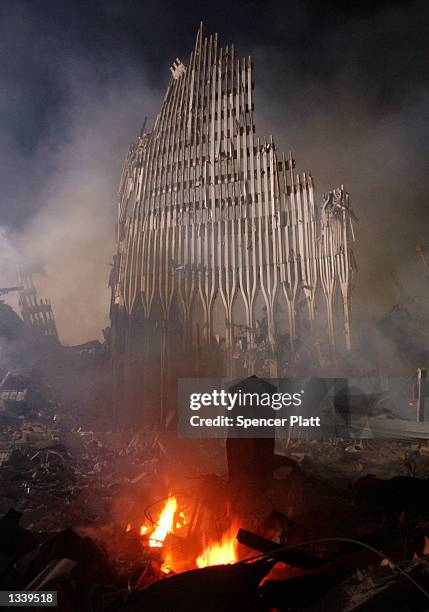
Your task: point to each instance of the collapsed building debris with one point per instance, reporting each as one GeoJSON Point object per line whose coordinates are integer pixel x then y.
{"type": "Point", "coordinates": [124, 550]}
{"type": "Point", "coordinates": [36, 313]}
{"type": "Point", "coordinates": [108, 518]}
{"type": "Point", "coordinates": [407, 325]}
{"type": "Point", "coordinates": [6, 290]}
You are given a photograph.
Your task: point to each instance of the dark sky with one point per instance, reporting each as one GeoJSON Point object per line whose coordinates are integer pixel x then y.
{"type": "Point", "coordinates": [344, 85]}
{"type": "Point", "coordinates": [381, 45]}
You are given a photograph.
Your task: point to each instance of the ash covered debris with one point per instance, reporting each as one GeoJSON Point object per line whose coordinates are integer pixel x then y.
{"type": "Point", "coordinates": [81, 499]}
{"type": "Point", "coordinates": [39, 374]}
{"type": "Point", "coordinates": [85, 496]}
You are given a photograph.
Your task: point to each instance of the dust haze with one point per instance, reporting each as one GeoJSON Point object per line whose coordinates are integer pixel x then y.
{"type": "Point", "coordinates": [62, 189]}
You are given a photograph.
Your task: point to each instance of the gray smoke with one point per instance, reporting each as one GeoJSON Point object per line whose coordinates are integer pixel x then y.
{"type": "Point", "coordinates": [67, 189]}
{"type": "Point", "coordinates": [359, 116]}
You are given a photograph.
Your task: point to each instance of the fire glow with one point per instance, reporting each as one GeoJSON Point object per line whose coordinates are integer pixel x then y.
{"type": "Point", "coordinates": [171, 520]}
{"type": "Point", "coordinates": [220, 553]}
{"type": "Point", "coordinates": [165, 523]}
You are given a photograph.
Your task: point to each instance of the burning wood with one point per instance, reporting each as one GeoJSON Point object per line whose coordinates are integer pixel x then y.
{"type": "Point", "coordinates": [220, 552]}
{"type": "Point", "coordinates": [205, 551]}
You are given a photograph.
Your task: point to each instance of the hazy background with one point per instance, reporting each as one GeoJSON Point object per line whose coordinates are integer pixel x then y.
{"type": "Point", "coordinates": [345, 90]}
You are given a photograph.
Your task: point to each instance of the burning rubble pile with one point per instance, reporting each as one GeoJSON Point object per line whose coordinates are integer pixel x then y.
{"type": "Point", "coordinates": [133, 521]}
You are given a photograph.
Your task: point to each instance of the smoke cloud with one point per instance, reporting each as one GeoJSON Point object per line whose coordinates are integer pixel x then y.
{"type": "Point", "coordinates": [358, 116]}
{"type": "Point", "coordinates": [71, 237]}
{"type": "Point", "coordinates": [63, 191]}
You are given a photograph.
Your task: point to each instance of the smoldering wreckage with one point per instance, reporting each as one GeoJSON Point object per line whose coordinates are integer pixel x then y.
{"type": "Point", "coordinates": [223, 252]}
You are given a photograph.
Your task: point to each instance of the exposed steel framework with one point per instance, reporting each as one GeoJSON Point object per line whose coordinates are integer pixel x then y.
{"type": "Point", "coordinates": [36, 313]}
{"type": "Point", "coordinates": [208, 213]}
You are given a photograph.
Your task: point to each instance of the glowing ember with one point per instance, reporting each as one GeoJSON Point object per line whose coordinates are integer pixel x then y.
{"type": "Point", "coordinates": [144, 529]}
{"type": "Point", "coordinates": [165, 523]}
{"type": "Point", "coordinates": [128, 527]}
{"type": "Point", "coordinates": [182, 520]}
{"type": "Point", "coordinates": [220, 553]}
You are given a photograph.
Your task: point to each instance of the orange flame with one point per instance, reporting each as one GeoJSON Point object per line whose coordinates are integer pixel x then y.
{"type": "Point", "coordinates": [165, 523]}
{"type": "Point", "coordinates": [172, 519]}
{"type": "Point", "coordinates": [220, 553]}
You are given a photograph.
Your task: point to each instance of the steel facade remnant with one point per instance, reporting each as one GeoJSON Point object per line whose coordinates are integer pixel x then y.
{"type": "Point", "coordinates": [209, 212]}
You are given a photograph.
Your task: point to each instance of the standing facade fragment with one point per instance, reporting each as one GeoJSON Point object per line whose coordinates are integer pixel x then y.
{"type": "Point", "coordinates": [221, 247]}
{"type": "Point", "coordinates": [36, 313]}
